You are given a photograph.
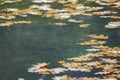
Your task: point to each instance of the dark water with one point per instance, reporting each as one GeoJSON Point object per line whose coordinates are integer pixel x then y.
{"type": "Point", "coordinates": [24, 45]}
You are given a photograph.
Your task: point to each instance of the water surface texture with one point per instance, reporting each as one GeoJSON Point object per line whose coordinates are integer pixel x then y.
{"type": "Point", "coordinates": [22, 45]}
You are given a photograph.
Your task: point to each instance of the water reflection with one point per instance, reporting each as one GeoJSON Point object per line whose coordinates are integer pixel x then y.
{"type": "Point", "coordinates": [22, 45]}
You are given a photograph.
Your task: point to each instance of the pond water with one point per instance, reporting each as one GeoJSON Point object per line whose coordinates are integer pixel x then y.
{"type": "Point", "coordinates": [25, 44]}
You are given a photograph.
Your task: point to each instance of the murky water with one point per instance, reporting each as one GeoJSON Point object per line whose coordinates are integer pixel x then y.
{"type": "Point", "coordinates": [26, 44]}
